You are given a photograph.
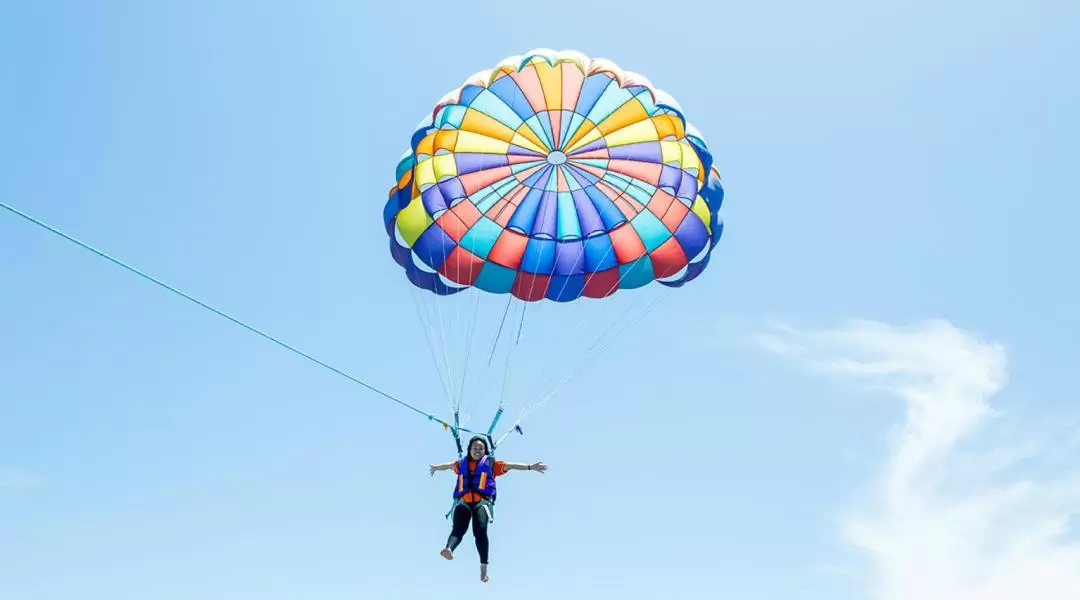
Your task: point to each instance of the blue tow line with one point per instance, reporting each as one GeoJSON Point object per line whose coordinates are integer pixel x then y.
{"type": "Point", "coordinates": [202, 304]}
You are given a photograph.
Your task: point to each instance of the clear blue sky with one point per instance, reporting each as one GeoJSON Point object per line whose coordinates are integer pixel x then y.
{"type": "Point", "coordinates": [888, 161]}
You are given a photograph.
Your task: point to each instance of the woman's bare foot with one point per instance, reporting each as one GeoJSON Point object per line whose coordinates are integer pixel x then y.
{"type": "Point", "coordinates": [483, 573]}
{"type": "Point", "coordinates": [447, 554]}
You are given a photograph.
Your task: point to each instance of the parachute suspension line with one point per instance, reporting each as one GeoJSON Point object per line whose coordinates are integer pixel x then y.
{"type": "Point", "coordinates": [509, 352]}
{"type": "Point", "coordinates": [604, 341]}
{"type": "Point", "coordinates": [562, 343]}
{"type": "Point", "coordinates": [469, 333]}
{"type": "Point", "coordinates": [521, 325]}
{"type": "Point", "coordinates": [589, 360]}
{"type": "Point", "coordinates": [510, 355]}
{"type": "Point", "coordinates": [454, 407]}
{"type": "Point", "coordinates": [565, 349]}
{"type": "Point", "coordinates": [429, 337]}
{"type": "Point", "coordinates": [469, 342]}
{"type": "Point", "coordinates": [553, 174]}
{"type": "Point", "coordinates": [219, 313]}
{"type": "Point", "coordinates": [498, 339]}
{"type": "Point", "coordinates": [585, 319]}
{"type": "Point", "coordinates": [506, 370]}
{"type": "Point", "coordinates": [558, 352]}
{"type": "Point", "coordinates": [498, 334]}
{"type": "Point", "coordinates": [516, 427]}
{"type": "Point", "coordinates": [593, 353]}
{"type": "Point", "coordinates": [436, 344]}
{"type": "Point", "coordinates": [559, 343]}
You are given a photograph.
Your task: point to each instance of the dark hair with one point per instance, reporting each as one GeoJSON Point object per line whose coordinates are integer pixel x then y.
{"type": "Point", "coordinates": [482, 440]}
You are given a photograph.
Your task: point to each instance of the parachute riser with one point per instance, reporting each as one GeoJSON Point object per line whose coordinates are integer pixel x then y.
{"type": "Point", "coordinates": [457, 435]}
{"type": "Point", "coordinates": [491, 428]}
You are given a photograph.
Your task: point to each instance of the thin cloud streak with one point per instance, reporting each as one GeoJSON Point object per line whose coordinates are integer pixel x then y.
{"type": "Point", "coordinates": [945, 522]}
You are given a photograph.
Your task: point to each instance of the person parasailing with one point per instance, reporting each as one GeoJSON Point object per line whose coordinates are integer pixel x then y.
{"type": "Point", "coordinates": [475, 494]}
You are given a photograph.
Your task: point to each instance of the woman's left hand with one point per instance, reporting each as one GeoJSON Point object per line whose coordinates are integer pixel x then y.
{"type": "Point", "coordinates": [538, 467]}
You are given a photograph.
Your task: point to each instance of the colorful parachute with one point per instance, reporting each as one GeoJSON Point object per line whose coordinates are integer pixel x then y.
{"type": "Point", "coordinates": [551, 176]}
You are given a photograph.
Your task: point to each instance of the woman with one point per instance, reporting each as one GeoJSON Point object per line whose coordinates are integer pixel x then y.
{"type": "Point", "coordinates": [475, 494]}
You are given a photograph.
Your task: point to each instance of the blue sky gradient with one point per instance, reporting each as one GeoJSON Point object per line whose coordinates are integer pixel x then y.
{"type": "Point", "coordinates": [897, 162]}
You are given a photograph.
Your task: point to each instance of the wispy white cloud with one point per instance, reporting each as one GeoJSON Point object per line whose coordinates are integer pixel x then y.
{"type": "Point", "coordinates": [948, 518]}
{"type": "Point", "coordinates": [16, 479]}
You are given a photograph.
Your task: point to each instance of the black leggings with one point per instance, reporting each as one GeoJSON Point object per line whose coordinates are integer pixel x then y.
{"type": "Point", "coordinates": [476, 513]}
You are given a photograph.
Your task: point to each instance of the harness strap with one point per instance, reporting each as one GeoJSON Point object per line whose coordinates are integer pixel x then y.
{"type": "Point", "coordinates": [485, 504]}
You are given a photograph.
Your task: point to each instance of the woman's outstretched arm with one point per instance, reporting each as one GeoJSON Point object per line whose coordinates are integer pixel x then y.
{"type": "Point", "coordinates": [537, 466]}
{"type": "Point", "coordinates": [443, 467]}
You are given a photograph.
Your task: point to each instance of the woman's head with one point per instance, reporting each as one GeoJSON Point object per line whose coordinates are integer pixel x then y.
{"type": "Point", "coordinates": [477, 448]}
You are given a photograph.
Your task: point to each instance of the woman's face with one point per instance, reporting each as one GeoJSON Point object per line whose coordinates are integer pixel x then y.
{"type": "Point", "coordinates": [476, 450]}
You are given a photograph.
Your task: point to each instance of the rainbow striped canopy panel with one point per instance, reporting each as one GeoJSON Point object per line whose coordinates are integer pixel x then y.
{"type": "Point", "coordinates": [554, 176]}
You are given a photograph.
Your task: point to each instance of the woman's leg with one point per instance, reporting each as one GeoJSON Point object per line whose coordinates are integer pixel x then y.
{"type": "Point", "coordinates": [479, 529]}
{"type": "Point", "coordinates": [462, 516]}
